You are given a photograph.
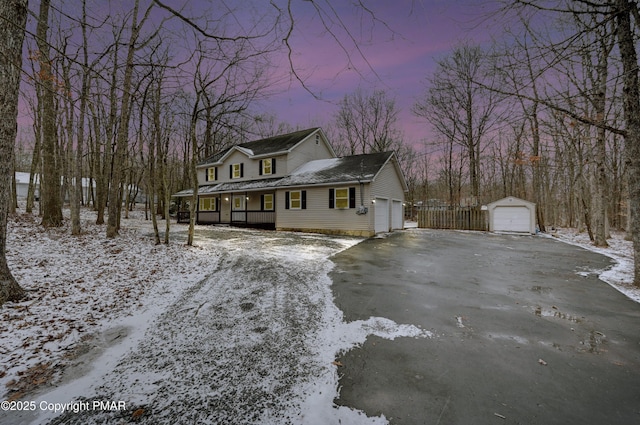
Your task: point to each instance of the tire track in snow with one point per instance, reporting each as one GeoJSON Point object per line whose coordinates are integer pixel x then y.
{"type": "Point", "coordinates": [252, 343]}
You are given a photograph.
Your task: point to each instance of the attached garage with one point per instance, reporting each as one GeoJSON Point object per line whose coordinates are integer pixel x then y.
{"type": "Point", "coordinates": [513, 215]}
{"type": "Point", "coordinates": [381, 215]}
{"type": "Point", "coordinates": [397, 215]}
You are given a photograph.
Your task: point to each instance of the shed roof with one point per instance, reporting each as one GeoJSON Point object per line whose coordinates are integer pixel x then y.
{"type": "Point", "coordinates": [510, 200]}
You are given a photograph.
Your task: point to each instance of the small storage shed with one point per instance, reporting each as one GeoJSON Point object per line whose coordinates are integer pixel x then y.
{"type": "Point", "coordinates": [513, 215]}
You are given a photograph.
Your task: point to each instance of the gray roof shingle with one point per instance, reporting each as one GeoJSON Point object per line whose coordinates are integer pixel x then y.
{"type": "Point", "coordinates": [347, 169]}
{"type": "Point", "coordinates": [275, 144]}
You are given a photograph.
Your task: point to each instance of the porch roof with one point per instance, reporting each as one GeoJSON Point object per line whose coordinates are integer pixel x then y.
{"type": "Point", "coordinates": [243, 186]}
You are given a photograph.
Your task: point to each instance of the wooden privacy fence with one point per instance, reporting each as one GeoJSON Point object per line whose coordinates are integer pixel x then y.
{"type": "Point", "coordinates": [475, 219]}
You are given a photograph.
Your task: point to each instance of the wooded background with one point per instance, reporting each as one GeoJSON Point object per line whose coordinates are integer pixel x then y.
{"type": "Point", "coordinates": [132, 99]}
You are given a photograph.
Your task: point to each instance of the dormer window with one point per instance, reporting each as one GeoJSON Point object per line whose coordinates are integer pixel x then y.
{"type": "Point", "coordinates": [267, 166]}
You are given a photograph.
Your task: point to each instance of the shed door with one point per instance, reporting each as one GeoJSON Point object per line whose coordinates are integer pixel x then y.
{"type": "Point", "coordinates": [396, 215]}
{"type": "Point", "coordinates": [382, 215]}
{"type": "Point", "coordinates": [512, 219]}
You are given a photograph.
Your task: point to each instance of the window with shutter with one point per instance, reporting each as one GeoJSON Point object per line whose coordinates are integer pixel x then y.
{"type": "Point", "coordinates": [236, 170]}
{"type": "Point", "coordinates": [266, 167]}
{"type": "Point", "coordinates": [212, 174]}
{"type": "Point", "coordinates": [295, 200]}
{"type": "Point", "coordinates": [267, 202]}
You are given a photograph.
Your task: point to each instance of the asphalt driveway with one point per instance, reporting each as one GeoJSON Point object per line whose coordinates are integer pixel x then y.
{"type": "Point", "coordinates": [524, 332]}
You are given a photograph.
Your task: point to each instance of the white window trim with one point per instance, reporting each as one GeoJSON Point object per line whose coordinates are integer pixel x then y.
{"type": "Point", "coordinates": [212, 204]}
{"type": "Point", "coordinates": [271, 202]}
{"type": "Point", "coordinates": [237, 171]}
{"type": "Point", "coordinates": [335, 198]}
{"type": "Point", "coordinates": [211, 174]}
{"type": "Point", "coordinates": [264, 166]}
{"type": "Point", "coordinates": [299, 207]}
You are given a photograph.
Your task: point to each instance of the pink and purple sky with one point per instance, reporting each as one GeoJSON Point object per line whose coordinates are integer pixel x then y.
{"type": "Point", "coordinates": [397, 56]}
{"type": "Point", "coordinates": [395, 52]}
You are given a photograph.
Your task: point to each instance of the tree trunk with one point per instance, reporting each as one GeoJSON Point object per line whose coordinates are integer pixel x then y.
{"type": "Point", "coordinates": [50, 181]}
{"type": "Point", "coordinates": [631, 102]}
{"type": "Point", "coordinates": [11, 38]}
{"type": "Point", "coordinates": [194, 172]}
{"type": "Point", "coordinates": [76, 196]}
{"type": "Point", "coordinates": [123, 132]}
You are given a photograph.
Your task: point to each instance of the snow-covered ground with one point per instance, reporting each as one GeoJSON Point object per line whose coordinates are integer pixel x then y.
{"type": "Point", "coordinates": [241, 328]}
{"type": "Point", "coordinates": [619, 276]}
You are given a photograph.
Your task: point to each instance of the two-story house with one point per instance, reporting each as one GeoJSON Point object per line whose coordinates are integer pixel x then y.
{"type": "Point", "coordinates": [295, 182]}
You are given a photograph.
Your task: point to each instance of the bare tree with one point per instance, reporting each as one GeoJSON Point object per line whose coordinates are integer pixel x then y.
{"type": "Point", "coordinates": [115, 194]}
{"type": "Point", "coordinates": [625, 15]}
{"type": "Point", "coordinates": [368, 122]}
{"type": "Point", "coordinates": [458, 108]}
{"type": "Point", "coordinates": [13, 18]}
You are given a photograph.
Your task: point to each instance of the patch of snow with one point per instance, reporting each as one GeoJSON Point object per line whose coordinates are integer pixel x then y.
{"type": "Point", "coordinates": [620, 276]}
{"type": "Point", "coordinates": [241, 328]}
{"type": "Point", "coordinates": [316, 166]}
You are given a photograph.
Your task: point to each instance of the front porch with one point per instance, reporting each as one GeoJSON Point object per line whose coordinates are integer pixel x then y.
{"type": "Point", "coordinates": [237, 209]}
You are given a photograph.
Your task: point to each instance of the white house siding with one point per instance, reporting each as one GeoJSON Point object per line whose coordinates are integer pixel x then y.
{"type": "Point", "coordinates": [307, 151]}
{"type": "Point", "coordinates": [318, 217]}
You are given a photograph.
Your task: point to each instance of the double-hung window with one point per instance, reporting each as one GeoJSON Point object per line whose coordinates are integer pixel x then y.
{"type": "Point", "coordinates": [267, 166]}
{"type": "Point", "coordinates": [267, 202]}
{"type": "Point", "coordinates": [212, 174]}
{"type": "Point", "coordinates": [342, 197]}
{"type": "Point", "coordinates": [236, 171]}
{"type": "Point", "coordinates": [295, 200]}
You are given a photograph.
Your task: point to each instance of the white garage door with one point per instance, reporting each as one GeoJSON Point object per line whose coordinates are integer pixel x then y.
{"type": "Point", "coordinates": [396, 215]}
{"type": "Point", "coordinates": [511, 219]}
{"type": "Point", "coordinates": [382, 215]}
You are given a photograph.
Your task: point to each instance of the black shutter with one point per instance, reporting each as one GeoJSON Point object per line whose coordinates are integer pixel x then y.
{"type": "Point", "coordinates": [230, 171]}
{"type": "Point", "coordinates": [242, 169]}
{"type": "Point", "coordinates": [352, 197]}
{"type": "Point", "coordinates": [260, 168]}
{"type": "Point", "coordinates": [273, 165]}
{"type": "Point", "coordinates": [206, 174]}
{"type": "Point", "coordinates": [332, 198]}
{"type": "Point", "coordinates": [286, 200]}
{"type": "Point", "coordinates": [261, 202]}
{"type": "Point", "coordinates": [304, 199]}
{"type": "Point", "coordinates": [216, 173]}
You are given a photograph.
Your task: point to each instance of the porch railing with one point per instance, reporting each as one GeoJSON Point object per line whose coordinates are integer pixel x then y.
{"type": "Point", "coordinates": [237, 217]}
{"type": "Point", "coordinates": [253, 217]}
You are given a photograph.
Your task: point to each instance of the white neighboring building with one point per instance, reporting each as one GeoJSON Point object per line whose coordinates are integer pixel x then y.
{"type": "Point", "coordinates": [513, 215]}
{"type": "Point", "coordinates": [22, 185]}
